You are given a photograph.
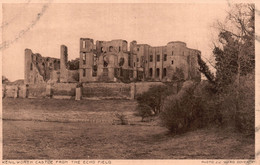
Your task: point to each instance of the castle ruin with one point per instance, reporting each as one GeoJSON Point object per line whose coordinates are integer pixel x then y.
{"type": "Point", "coordinates": [111, 61]}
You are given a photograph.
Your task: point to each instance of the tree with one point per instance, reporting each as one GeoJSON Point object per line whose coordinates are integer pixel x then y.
{"type": "Point", "coordinates": [73, 64]}
{"type": "Point", "coordinates": [236, 54]}
{"type": "Point", "coordinates": [153, 99]}
{"type": "Point", "coordinates": [183, 111]}
{"type": "Point", "coordinates": [178, 78]}
{"type": "Point", "coordinates": [5, 80]}
{"type": "Point", "coordinates": [235, 58]}
{"type": "Point", "coordinates": [204, 69]}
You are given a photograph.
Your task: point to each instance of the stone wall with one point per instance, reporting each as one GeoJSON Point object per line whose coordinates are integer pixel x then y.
{"type": "Point", "coordinates": [142, 87]}
{"type": "Point", "coordinates": [22, 91]}
{"type": "Point", "coordinates": [106, 90]}
{"type": "Point", "coordinates": [10, 91]}
{"type": "Point", "coordinates": [68, 90]}
{"type": "Point", "coordinates": [63, 90]}
{"type": "Point", "coordinates": [36, 90]}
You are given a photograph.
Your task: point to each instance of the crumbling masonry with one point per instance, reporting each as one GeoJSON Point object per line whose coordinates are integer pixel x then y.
{"type": "Point", "coordinates": [111, 61]}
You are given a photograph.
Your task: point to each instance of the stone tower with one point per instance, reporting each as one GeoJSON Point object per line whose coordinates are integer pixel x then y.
{"type": "Point", "coordinates": [63, 63]}
{"type": "Point", "coordinates": [86, 59]}
{"type": "Point", "coordinates": [28, 65]}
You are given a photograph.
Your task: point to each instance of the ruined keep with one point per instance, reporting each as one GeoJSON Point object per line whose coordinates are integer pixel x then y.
{"type": "Point", "coordinates": [40, 69]}
{"type": "Point", "coordinates": [111, 61]}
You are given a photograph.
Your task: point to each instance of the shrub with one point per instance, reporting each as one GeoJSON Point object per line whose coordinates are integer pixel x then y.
{"type": "Point", "coordinates": [210, 103]}
{"type": "Point", "coordinates": [195, 106]}
{"type": "Point", "coordinates": [178, 78]}
{"type": "Point", "coordinates": [245, 116]}
{"type": "Point", "coordinates": [182, 112]}
{"type": "Point", "coordinates": [121, 119]}
{"type": "Point", "coordinates": [238, 112]}
{"type": "Point", "coordinates": [154, 96]}
{"type": "Point", "coordinates": [144, 111]}
{"type": "Point", "coordinates": [150, 102]}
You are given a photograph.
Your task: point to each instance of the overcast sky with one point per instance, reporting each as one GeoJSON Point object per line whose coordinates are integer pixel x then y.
{"type": "Point", "coordinates": [44, 28]}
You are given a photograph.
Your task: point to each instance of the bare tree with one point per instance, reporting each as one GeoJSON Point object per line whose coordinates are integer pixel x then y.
{"type": "Point", "coordinates": [235, 55]}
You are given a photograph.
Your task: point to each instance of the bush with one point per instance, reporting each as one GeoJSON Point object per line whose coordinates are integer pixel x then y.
{"type": "Point", "coordinates": [150, 102]}
{"type": "Point", "coordinates": [195, 106]}
{"type": "Point", "coordinates": [182, 112]}
{"type": "Point", "coordinates": [245, 116]}
{"type": "Point", "coordinates": [121, 119]}
{"type": "Point", "coordinates": [210, 103]}
{"type": "Point", "coordinates": [144, 111]}
{"type": "Point", "coordinates": [239, 114]}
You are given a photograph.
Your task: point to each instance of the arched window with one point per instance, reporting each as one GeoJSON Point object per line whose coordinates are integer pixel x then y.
{"type": "Point", "coordinates": [151, 72]}
{"type": "Point", "coordinates": [94, 59]}
{"type": "Point", "coordinates": [151, 58]}
{"type": "Point", "coordinates": [84, 72]}
{"type": "Point", "coordinates": [158, 58]}
{"type": "Point", "coordinates": [157, 72]}
{"type": "Point", "coordinates": [83, 44]}
{"type": "Point", "coordinates": [164, 72]}
{"type": "Point", "coordinates": [121, 62]}
{"type": "Point", "coordinates": [94, 71]}
{"type": "Point", "coordinates": [84, 58]}
{"type": "Point", "coordinates": [165, 57]}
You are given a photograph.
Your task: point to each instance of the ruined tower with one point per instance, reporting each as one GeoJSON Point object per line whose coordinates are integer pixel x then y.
{"type": "Point", "coordinates": [63, 63]}
{"type": "Point", "coordinates": [28, 66]}
{"type": "Point", "coordinates": [86, 60]}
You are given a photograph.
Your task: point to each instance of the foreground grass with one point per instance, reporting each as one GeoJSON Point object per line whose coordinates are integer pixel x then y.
{"type": "Point", "coordinates": [32, 139]}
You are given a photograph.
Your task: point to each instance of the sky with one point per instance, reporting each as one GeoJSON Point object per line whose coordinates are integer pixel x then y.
{"type": "Point", "coordinates": [44, 27]}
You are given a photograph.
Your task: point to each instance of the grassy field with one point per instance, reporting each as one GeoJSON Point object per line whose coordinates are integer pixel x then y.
{"type": "Point", "coordinates": [68, 129]}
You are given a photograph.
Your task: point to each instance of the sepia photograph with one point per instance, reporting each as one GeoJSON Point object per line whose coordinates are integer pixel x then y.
{"type": "Point", "coordinates": [128, 81]}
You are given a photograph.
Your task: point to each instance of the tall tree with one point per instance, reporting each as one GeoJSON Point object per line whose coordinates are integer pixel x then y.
{"type": "Point", "coordinates": [204, 69]}
{"type": "Point", "coordinates": [236, 54]}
